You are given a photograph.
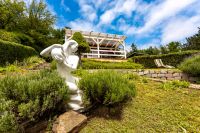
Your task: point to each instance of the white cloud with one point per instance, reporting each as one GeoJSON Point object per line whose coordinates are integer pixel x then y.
{"type": "Point", "coordinates": [82, 25]}
{"type": "Point", "coordinates": [62, 3]}
{"type": "Point", "coordinates": [180, 28]}
{"type": "Point", "coordinates": [163, 11]}
{"type": "Point", "coordinates": [122, 7]}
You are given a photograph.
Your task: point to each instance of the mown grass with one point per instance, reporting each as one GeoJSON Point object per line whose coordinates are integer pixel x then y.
{"type": "Point", "coordinates": [154, 110]}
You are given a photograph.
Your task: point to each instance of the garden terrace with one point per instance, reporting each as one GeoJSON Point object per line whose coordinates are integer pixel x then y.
{"type": "Point", "coordinates": [102, 45]}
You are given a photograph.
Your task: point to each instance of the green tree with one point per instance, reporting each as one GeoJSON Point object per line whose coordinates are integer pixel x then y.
{"type": "Point", "coordinates": [133, 48]}
{"type": "Point", "coordinates": [11, 14]}
{"type": "Point", "coordinates": [164, 50]}
{"type": "Point", "coordinates": [152, 51]}
{"type": "Point", "coordinates": [193, 42]}
{"type": "Point", "coordinates": [174, 46]}
{"type": "Point", "coordinates": [83, 46]}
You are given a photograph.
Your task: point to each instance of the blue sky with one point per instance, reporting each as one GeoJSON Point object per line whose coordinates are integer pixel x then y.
{"type": "Point", "coordinates": [144, 22]}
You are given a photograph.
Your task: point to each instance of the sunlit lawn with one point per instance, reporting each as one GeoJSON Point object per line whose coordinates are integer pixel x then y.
{"type": "Point", "coordinates": [154, 110]}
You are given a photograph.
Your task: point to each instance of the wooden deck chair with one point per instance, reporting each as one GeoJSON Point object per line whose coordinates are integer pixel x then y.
{"type": "Point", "coordinates": [159, 63]}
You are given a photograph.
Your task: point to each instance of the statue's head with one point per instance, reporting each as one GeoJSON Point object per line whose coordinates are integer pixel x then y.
{"type": "Point", "coordinates": [73, 45]}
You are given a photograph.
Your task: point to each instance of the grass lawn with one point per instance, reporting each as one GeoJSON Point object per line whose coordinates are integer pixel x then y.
{"type": "Point", "coordinates": [153, 110]}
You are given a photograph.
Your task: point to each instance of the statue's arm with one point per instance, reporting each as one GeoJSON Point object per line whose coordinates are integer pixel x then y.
{"type": "Point", "coordinates": [72, 62]}
{"type": "Point", "coordinates": [46, 52]}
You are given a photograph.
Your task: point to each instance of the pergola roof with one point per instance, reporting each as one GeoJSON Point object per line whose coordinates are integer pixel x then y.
{"type": "Point", "coordinates": [105, 38]}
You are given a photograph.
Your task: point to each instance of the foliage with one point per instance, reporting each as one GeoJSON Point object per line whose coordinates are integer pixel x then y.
{"type": "Point", "coordinates": [191, 65]}
{"type": "Point", "coordinates": [16, 37]}
{"type": "Point", "coordinates": [193, 42]}
{"type": "Point", "coordinates": [33, 19]}
{"type": "Point", "coordinates": [57, 36]}
{"type": "Point", "coordinates": [152, 51]}
{"type": "Point", "coordinates": [174, 47]}
{"type": "Point", "coordinates": [83, 46]}
{"type": "Point", "coordinates": [30, 97]}
{"type": "Point", "coordinates": [53, 65]}
{"type": "Point", "coordinates": [175, 84]}
{"type": "Point", "coordinates": [153, 110]}
{"type": "Point", "coordinates": [106, 87]}
{"type": "Point", "coordinates": [172, 59]}
{"type": "Point", "coordinates": [92, 64]}
{"type": "Point", "coordinates": [10, 52]}
{"type": "Point", "coordinates": [11, 14]}
{"type": "Point", "coordinates": [163, 50]}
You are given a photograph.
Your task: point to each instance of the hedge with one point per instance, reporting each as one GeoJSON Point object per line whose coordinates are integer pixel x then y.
{"type": "Point", "coordinates": [172, 59]}
{"type": "Point", "coordinates": [10, 52]}
{"type": "Point", "coordinates": [93, 64]}
{"type": "Point", "coordinates": [16, 37]}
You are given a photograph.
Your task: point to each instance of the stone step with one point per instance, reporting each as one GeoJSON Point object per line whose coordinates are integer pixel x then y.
{"type": "Point", "coordinates": [70, 121]}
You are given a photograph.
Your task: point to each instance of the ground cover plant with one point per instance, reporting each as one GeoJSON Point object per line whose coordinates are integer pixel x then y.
{"type": "Point", "coordinates": [27, 63]}
{"type": "Point", "coordinates": [191, 66]}
{"type": "Point", "coordinates": [106, 87]}
{"type": "Point", "coordinates": [174, 84]}
{"type": "Point", "coordinates": [92, 64]}
{"type": "Point", "coordinates": [152, 110]}
{"type": "Point", "coordinates": [30, 97]}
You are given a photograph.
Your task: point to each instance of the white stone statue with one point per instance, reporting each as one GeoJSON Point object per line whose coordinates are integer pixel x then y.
{"type": "Point", "coordinates": [67, 62]}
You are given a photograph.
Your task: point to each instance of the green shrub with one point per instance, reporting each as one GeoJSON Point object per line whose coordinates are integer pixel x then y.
{"type": "Point", "coordinates": [30, 97]}
{"type": "Point", "coordinates": [191, 66]}
{"type": "Point", "coordinates": [32, 60]}
{"type": "Point", "coordinates": [175, 84]}
{"type": "Point", "coordinates": [92, 64]}
{"type": "Point", "coordinates": [106, 87]}
{"type": "Point", "coordinates": [16, 37]}
{"type": "Point", "coordinates": [10, 52]}
{"type": "Point", "coordinates": [53, 65]}
{"type": "Point", "coordinates": [132, 76]}
{"type": "Point", "coordinates": [172, 59]}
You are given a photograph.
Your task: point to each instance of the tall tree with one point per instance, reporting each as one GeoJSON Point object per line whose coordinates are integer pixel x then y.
{"type": "Point", "coordinates": [83, 46]}
{"type": "Point", "coordinates": [164, 50]}
{"type": "Point", "coordinates": [193, 42]}
{"type": "Point", "coordinates": [152, 51]}
{"type": "Point", "coordinates": [174, 46]}
{"type": "Point", "coordinates": [133, 48]}
{"type": "Point", "coordinates": [11, 14]}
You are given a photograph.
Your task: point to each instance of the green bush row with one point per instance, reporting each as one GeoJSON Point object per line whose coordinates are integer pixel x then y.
{"type": "Point", "coordinates": [191, 66]}
{"type": "Point", "coordinates": [16, 37]}
{"type": "Point", "coordinates": [106, 87]}
{"type": "Point", "coordinates": [172, 59]}
{"type": "Point", "coordinates": [92, 64]}
{"type": "Point", "coordinates": [29, 98]}
{"type": "Point", "coordinates": [10, 52]}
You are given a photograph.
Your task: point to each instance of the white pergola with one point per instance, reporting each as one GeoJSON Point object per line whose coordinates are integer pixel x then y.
{"type": "Point", "coordinates": [102, 45]}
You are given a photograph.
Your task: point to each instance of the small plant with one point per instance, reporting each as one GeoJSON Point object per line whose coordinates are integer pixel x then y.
{"type": "Point", "coordinates": [132, 76]}
{"type": "Point", "coordinates": [191, 66]}
{"type": "Point", "coordinates": [53, 65]}
{"type": "Point", "coordinates": [175, 84]}
{"type": "Point", "coordinates": [106, 87]}
{"type": "Point", "coordinates": [32, 60]}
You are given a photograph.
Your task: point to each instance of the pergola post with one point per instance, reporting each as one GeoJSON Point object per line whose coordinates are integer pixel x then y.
{"type": "Point", "coordinates": [124, 46]}
{"type": "Point", "coordinates": [98, 50]}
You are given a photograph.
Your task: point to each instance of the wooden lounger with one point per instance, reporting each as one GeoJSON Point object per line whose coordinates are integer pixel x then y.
{"type": "Point", "coordinates": [159, 63]}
